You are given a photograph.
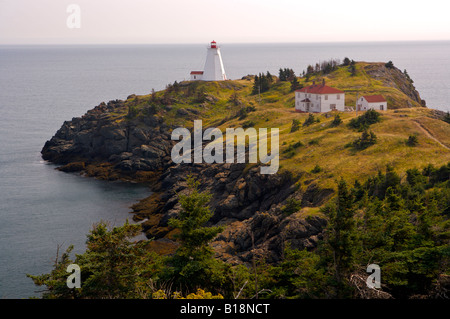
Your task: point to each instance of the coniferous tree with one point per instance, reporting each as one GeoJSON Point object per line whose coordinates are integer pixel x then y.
{"type": "Point", "coordinates": [256, 85]}
{"type": "Point", "coordinates": [290, 75]}
{"type": "Point", "coordinates": [352, 70]}
{"type": "Point", "coordinates": [295, 85]}
{"type": "Point", "coordinates": [261, 84]}
{"type": "Point", "coordinates": [341, 235]}
{"type": "Point", "coordinates": [269, 77]}
{"type": "Point", "coordinates": [193, 263]}
{"type": "Point", "coordinates": [113, 266]}
{"type": "Point", "coordinates": [281, 75]}
{"type": "Point", "coordinates": [265, 85]}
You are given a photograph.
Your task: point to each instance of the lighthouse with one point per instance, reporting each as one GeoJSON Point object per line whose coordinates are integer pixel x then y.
{"type": "Point", "coordinates": [213, 70]}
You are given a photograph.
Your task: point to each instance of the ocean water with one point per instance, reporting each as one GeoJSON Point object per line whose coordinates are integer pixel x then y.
{"type": "Point", "coordinates": [42, 86]}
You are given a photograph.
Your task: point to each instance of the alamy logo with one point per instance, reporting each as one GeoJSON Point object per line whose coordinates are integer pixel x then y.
{"type": "Point", "coordinates": [74, 280]}
{"type": "Point", "coordinates": [374, 280]}
{"type": "Point", "coordinates": [74, 19]}
{"type": "Point", "coordinates": [235, 138]}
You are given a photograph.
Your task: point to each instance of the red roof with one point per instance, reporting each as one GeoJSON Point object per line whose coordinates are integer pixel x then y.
{"type": "Point", "coordinates": [374, 98]}
{"type": "Point", "coordinates": [196, 72]}
{"type": "Point", "coordinates": [319, 89]}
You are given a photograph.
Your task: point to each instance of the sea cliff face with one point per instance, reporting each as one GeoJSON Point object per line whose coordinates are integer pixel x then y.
{"type": "Point", "coordinates": [98, 136]}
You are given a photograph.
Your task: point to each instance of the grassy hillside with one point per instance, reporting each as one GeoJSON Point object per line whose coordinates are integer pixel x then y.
{"type": "Point", "coordinates": [231, 104]}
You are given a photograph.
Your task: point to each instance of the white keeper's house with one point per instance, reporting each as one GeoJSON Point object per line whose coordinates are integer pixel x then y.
{"type": "Point", "coordinates": [318, 98]}
{"type": "Point", "coordinates": [375, 102]}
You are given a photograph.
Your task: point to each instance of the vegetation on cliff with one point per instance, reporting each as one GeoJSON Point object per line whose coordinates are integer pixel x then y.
{"type": "Point", "coordinates": [402, 226]}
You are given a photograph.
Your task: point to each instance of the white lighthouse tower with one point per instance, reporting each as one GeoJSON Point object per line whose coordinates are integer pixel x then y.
{"type": "Point", "coordinates": [213, 70]}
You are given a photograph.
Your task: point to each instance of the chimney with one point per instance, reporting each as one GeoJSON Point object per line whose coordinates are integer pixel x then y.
{"type": "Point", "coordinates": [323, 82]}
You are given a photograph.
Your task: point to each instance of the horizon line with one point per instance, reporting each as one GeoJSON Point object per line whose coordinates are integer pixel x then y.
{"type": "Point", "coordinates": [225, 42]}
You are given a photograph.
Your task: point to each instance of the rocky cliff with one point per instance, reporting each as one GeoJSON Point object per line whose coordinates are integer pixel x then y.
{"type": "Point", "coordinates": [395, 78]}
{"type": "Point", "coordinates": [104, 145]}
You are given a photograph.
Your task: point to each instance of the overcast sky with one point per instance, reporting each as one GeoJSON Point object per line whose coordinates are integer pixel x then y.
{"type": "Point", "coordinates": [226, 21]}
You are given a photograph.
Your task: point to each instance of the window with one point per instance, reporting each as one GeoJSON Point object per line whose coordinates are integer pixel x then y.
{"type": "Point", "coordinates": [326, 97]}
{"type": "Point", "coordinates": [332, 106]}
{"type": "Point", "coordinates": [381, 107]}
{"type": "Point", "coordinates": [338, 96]}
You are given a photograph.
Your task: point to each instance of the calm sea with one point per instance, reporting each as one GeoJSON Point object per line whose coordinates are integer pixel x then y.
{"type": "Point", "coordinates": [42, 86]}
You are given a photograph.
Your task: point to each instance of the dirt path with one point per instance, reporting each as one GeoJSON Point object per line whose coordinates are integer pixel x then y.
{"type": "Point", "coordinates": [427, 133]}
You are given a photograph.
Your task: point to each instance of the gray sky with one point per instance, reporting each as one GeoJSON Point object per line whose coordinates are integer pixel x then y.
{"type": "Point", "coordinates": [230, 21]}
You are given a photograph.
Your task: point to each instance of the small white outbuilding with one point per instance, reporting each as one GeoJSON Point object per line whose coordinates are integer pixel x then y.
{"type": "Point", "coordinates": [374, 102]}
{"type": "Point", "coordinates": [196, 75]}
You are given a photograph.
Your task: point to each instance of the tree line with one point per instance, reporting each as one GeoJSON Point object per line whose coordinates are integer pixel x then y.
{"type": "Point", "coordinates": [400, 223]}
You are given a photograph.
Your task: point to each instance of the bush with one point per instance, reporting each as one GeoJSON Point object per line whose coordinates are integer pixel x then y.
{"type": "Point", "coordinates": [248, 124]}
{"type": "Point", "coordinates": [133, 111]}
{"type": "Point", "coordinates": [292, 206]}
{"type": "Point", "coordinates": [447, 117]}
{"type": "Point", "coordinates": [295, 125]}
{"type": "Point", "coordinates": [362, 122]}
{"type": "Point", "coordinates": [337, 121]}
{"type": "Point", "coordinates": [244, 111]}
{"type": "Point", "coordinates": [316, 169]}
{"type": "Point", "coordinates": [412, 140]}
{"type": "Point", "coordinates": [389, 65]}
{"type": "Point", "coordinates": [367, 139]}
{"type": "Point", "coordinates": [290, 151]}
{"type": "Point", "coordinates": [310, 120]}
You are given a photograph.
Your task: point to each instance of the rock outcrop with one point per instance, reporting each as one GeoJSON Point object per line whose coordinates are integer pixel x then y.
{"type": "Point", "coordinates": [248, 203]}
{"type": "Point", "coordinates": [98, 136]}
{"type": "Point", "coordinates": [394, 77]}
